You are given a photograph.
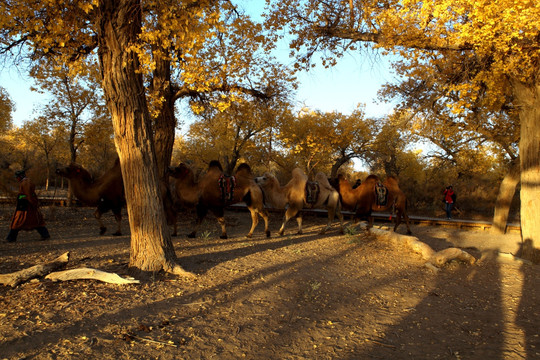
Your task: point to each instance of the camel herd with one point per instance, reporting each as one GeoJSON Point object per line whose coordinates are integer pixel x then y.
{"type": "Point", "coordinates": [213, 191]}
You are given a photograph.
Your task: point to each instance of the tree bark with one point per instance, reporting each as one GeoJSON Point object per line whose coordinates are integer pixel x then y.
{"type": "Point", "coordinates": [165, 123]}
{"type": "Point", "coordinates": [118, 28]}
{"type": "Point", "coordinates": [528, 102]}
{"type": "Point", "coordinates": [504, 198]}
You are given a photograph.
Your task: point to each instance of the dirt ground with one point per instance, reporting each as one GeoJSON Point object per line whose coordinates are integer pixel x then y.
{"type": "Point", "coordinates": [307, 296]}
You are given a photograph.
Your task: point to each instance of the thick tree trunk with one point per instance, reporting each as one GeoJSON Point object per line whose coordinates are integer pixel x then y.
{"type": "Point", "coordinates": [528, 102]}
{"type": "Point", "coordinates": [118, 27]}
{"type": "Point", "coordinates": [504, 198]}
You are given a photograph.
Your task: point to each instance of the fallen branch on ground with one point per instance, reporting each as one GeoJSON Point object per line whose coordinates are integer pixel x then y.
{"type": "Point", "coordinates": [18, 277]}
{"type": "Point", "coordinates": [442, 257]}
{"type": "Point", "coordinates": [168, 343]}
{"type": "Point", "coordinates": [90, 274]}
{"type": "Point", "coordinates": [434, 259]}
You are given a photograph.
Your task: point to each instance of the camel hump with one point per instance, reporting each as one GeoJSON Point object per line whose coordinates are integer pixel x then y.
{"type": "Point", "coordinates": [392, 181]}
{"type": "Point", "coordinates": [341, 181]}
{"type": "Point", "coordinates": [298, 174]}
{"type": "Point", "coordinates": [244, 168]}
{"type": "Point", "coordinates": [322, 179]}
{"type": "Point", "coordinates": [181, 171]}
{"type": "Point", "coordinates": [215, 164]}
{"type": "Point", "coordinates": [372, 178]}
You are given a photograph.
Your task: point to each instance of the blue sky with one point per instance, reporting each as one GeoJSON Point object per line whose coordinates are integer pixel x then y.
{"type": "Point", "coordinates": [355, 79]}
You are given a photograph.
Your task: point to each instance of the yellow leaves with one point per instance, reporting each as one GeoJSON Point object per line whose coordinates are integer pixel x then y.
{"type": "Point", "coordinates": [88, 6]}
{"type": "Point", "coordinates": [222, 105]}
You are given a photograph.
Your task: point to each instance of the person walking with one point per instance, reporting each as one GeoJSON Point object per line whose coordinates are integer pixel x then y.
{"type": "Point", "coordinates": [27, 215]}
{"type": "Point", "coordinates": [449, 199]}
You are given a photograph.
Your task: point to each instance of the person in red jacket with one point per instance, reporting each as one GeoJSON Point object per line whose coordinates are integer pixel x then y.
{"type": "Point", "coordinates": [449, 199]}
{"type": "Point", "coordinates": [27, 215]}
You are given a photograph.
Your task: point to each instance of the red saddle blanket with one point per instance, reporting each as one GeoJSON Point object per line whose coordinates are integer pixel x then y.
{"type": "Point", "coordinates": [381, 194]}
{"type": "Point", "coordinates": [227, 185]}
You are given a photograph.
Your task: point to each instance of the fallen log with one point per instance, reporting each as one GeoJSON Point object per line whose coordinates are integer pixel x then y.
{"type": "Point", "coordinates": [434, 259]}
{"type": "Point", "coordinates": [442, 257]}
{"type": "Point", "coordinates": [18, 277]}
{"type": "Point", "coordinates": [90, 274]}
{"type": "Point", "coordinates": [411, 242]}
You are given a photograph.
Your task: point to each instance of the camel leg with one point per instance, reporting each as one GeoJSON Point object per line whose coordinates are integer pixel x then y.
{"type": "Point", "coordinates": [397, 220]}
{"type": "Point", "coordinates": [193, 234]}
{"type": "Point", "coordinates": [289, 213]}
{"type": "Point", "coordinates": [299, 221]}
{"type": "Point", "coordinates": [118, 216]}
{"type": "Point", "coordinates": [330, 211]}
{"type": "Point", "coordinates": [340, 217]}
{"type": "Point", "coordinates": [171, 215]}
{"type": "Point", "coordinates": [370, 222]}
{"type": "Point", "coordinates": [219, 212]}
{"type": "Point", "coordinates": [201, 213]}
{"type": "Point", "coordinates": [102, 227]}
{"type": "Point", "coordinates": [406, 218]}
{"type": "Point", "coordinates": [264, 215]}
{"type": "Point", "coordinates": [254, 222]}
{"type": "Point", "coordinates": [221, 221]}
{"type": "Point", "coordinates": [175, 229]}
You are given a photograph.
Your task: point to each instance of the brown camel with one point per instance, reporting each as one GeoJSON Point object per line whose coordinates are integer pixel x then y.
{"type": "Point", "coordinates": [213, 192]}
{"type": "Point", "coordinates": [293, 198]}
{"type": "Point", "coordinates": [106, 192]}
{"type": "Point", "coordinates": [370, 196]}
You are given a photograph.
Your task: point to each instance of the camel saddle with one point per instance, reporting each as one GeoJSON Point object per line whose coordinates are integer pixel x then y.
{"type": "Point", "coordinates": [381, 194]}
{"type": "Point", "coordinates": [312, 192]}
{"type": "Point", "coordinates": [227, 185]}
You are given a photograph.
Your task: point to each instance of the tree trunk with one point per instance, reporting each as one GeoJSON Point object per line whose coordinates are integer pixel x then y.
{"type": "Point", "coordinates": [504, 198]}
{"type": "Point", "coordinates": [528, 102]}
{"type": "Point", "coordinates": [165, 123]}
{"type": "Point", "coordinates": [337, 165]}
{"type": "Point", "coordinates": [118, 27]}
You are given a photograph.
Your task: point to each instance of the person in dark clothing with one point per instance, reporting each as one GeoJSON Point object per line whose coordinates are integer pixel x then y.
{"type": "Point", "coordinates": [27, 215]}
{"type": "Point", "coordinates": [449, 199]}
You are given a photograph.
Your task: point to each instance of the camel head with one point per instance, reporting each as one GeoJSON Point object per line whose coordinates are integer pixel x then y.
{"type": "Point", "coordinates": [74, 171]}
{"type": "Point", "coordinates": [265, 180]}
